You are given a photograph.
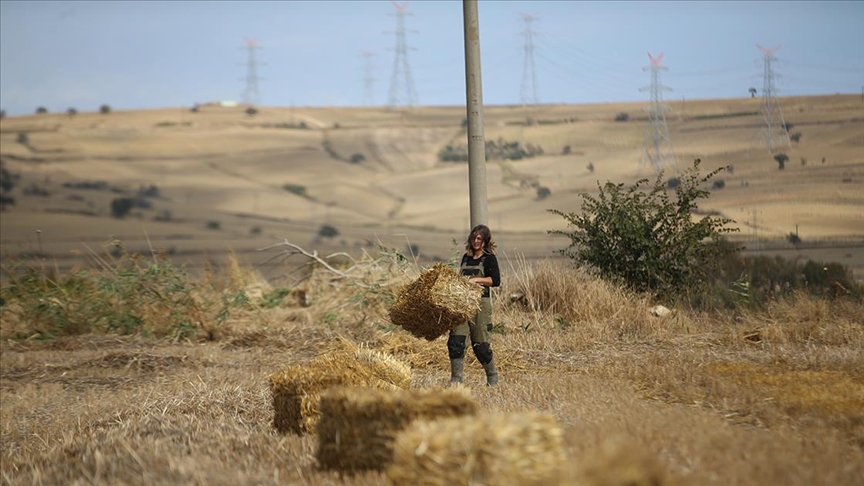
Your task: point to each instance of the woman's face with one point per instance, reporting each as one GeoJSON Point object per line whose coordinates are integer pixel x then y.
{"type": "Point", "coordinates": [477, 242]}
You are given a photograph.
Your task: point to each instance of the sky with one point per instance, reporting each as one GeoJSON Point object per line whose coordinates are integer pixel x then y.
{"type": "Point", "coordinates": [159, 54]}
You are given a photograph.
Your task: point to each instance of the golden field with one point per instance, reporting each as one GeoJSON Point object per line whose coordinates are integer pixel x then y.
{"type": "Point", "coordinates": [133, 373]}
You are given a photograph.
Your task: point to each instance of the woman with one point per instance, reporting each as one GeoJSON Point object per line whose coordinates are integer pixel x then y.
{"type": "Point", "coordinates": [480, 264]}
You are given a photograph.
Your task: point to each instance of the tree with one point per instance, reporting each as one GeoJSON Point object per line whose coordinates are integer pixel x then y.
{"type": "Point", "coordinates": [121, 206]}
{"type": "Point", "coordinates": [71, 112]}
{"type": "Point", "coordinates": [781, 160]}
{"type": "Point", "coordinates": [105, 109]}
{"type": "Point", "coordinates": [752, 92]}
{"type": "Point", "coordinates": [646, 241]}
{"type": "Point", "coordinates": [41, 110]}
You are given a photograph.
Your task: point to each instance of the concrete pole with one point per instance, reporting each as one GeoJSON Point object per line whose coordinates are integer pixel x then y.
{"type": "Point", "coordinates": [474, 106]}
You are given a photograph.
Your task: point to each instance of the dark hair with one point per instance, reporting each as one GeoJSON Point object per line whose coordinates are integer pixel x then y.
{"type": "Point", "coordinates": [488, 244]}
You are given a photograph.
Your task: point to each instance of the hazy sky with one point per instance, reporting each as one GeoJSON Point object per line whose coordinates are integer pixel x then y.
{"type": "Point", "coordinates": [154, 54]}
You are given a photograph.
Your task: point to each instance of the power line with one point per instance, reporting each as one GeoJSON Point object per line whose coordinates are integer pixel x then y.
{"type": "Point", "coordinates": [659, 153]}
{"type": "Point", "coordinates": [775, 126]}
{"type": "Point", "coordinates": [251, 96]}
{"type": "Point", "coordinates": [528, 93]}
{"type": "Point", "coordinates": [401, 83]}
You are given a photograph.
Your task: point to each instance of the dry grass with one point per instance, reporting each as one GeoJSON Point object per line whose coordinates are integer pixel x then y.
{"type": "Point", "coordinates": [679, 400]}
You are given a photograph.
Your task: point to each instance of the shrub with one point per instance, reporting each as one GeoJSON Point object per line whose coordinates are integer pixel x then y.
{"type": "Point", "coordinates": [327, 231]}
{"type": "Point", "coordinates": [124, 295]}
{"type": "Point", "coordinates": [718, 184]}
{"type": "Point", "coordinates": [6, 201]}
{"type": "Point", "coordinates": [121, 206]}
{"type": "Point", "coordinates": [8, 179]}
{"type": "Point", "coordinates": [781, 160]}
{"type": "Point", "coordinates": [295, 189]}
{"type": "Point", "coordinates": [251, 111]}
{"type": "Point", "coordinates": [672, 183]}
{"type": "Point", "coordinates": [543, 192]}
{"type": "Point", "coordinates": [803, 161]}
{"type": "Point", "coordinates": [622, 117]}
{"type": "Point", "coordinates": [644, 240]}
{"type": "Point", "coordinates": [357, 158]}
{"type": "Point", "coordinates": [214, 225]}
{"type": "Point", "coordinates": [566, 150]}
{"type": "Point", "coordinates": [590, 167]}
{"type": "Point", "coordinates": [105, 109]}
{"type": "Point", "coordinates": [795, 137]}
{"type": "Point", "coordinates": [71, 112]}
{"type": "Point", "coordinates": [255, 230]}
{"type": "Point", "coordinates": [41, 110]}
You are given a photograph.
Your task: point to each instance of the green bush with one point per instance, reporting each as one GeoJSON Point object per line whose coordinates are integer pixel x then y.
{"type": "Point", "coordinates": [105, 109]}
{"type": "Point", "coordinates": [128, 294]}
{"type": "Point", "coordinates": [646, 241]}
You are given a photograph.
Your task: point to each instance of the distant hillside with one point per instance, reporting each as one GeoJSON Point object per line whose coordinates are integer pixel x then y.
{"type": "Point", "coordinates": [219, 179]}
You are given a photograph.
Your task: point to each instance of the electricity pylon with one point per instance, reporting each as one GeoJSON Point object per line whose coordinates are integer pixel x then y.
{"type": "Point", "coordinates": [659, 153]}
{"type": "Point", "coordinates": [250, 94]}
{"type": "Point", "coordinates": [401, 83]}
{"type": "Point", "coordinates": [774, 132]}
{"type": "Point", "coordinates": [528, 92]}
{"type": "Point", "coordinates": [368, 78]}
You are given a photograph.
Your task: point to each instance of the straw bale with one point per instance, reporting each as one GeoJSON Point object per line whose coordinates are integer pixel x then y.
{"type": "Point", "coordinates": [358, 425]}
{"type": "Point", "coordinates": [436, 302]}
{"type": "Point", "coordinates": [502, 449]}
{"type": "Point", "coordinates": [296, 389]}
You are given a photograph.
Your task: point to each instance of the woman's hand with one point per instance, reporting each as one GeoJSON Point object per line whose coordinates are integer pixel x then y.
{"type": "Point", "coordinates": [482, 281]}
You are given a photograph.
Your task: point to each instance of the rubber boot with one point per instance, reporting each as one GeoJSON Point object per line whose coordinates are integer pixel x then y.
{"type": "Point", "coordinates": [456, 367]}
{"type": "Point", "coordinates": [491, 373]}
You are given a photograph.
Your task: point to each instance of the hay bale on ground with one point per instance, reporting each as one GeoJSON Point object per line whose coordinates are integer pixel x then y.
{"type": "Point", "coordinates": [358, 425]}
{"type": "Point", "coordinates": [502, 449]}
{"type": "Point", "coordinates": [439, 300]}
{"type": "Point", "coordinates": [296, 389]}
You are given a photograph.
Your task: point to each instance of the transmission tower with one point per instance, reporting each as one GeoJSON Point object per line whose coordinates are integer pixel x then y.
{"type": "Point", "coordinates": [250, 94]}
{"type": "Point", "coordinates": [659, 153]}
{"type": "Point", "coordinates": [401, 83]}
{"type": "Point", "coordinates": [368, 78]}
{"type": "Point", "coordinates": [528, 93]}
{"type": "Point", "coordinates": [774, 133]}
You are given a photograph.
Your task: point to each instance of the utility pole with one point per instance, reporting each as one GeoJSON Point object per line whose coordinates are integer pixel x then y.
{"type": "Point", "coordinates": [401, 83]}
{"type": "Point", "coordinates": [474, 108]}
{"type": "Point", "coordinates": [250, 94]}
{"type": "Point", "coordinates": [368, 78]}
{"type": "Point", "coordinates": [660, 153]}
{"type": "Point", "coordinates": [775, 126]}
